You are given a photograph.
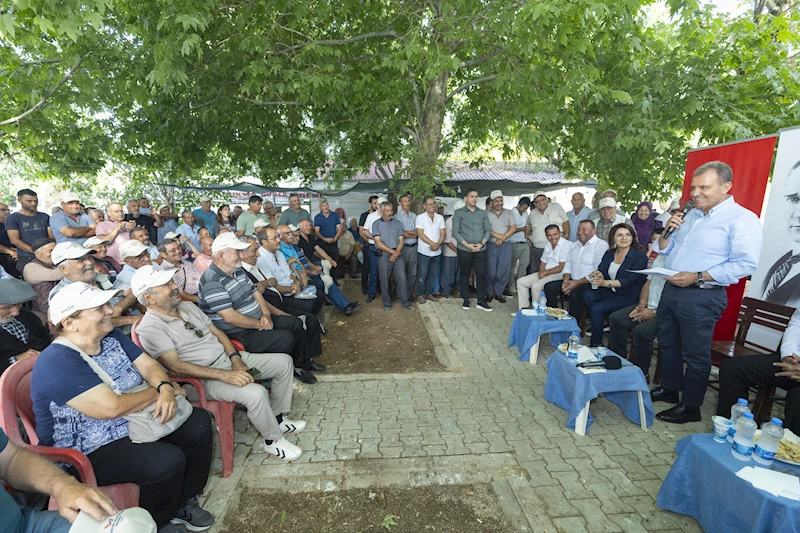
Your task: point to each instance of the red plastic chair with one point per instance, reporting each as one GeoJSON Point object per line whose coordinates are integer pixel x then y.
{"type": "Point", "coordinates": [222, 411]}
{"type": "Point", "coordinates": [15, 400]}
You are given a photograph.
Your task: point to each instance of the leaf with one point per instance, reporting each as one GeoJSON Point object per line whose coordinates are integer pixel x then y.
{"type": "Point", "coordinates": [389, 521]}
{"type": "Point", "coordinates": [622, 96]}
{"type": "Point", "coordinates": [8, 26]}
{"type": "Point", "coordinates": [283, 518]}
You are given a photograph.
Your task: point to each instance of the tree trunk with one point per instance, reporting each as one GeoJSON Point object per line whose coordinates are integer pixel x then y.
{"type": "Point", "coordinates": [429, 140]}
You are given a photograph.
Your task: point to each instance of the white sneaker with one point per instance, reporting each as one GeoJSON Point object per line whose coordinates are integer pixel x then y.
{"type": "Point", "coordinates": [283, 449]}
{"type": "Point", "coordinates": [292, 426]}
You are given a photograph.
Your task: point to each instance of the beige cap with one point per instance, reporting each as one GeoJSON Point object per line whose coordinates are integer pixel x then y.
{"type": "Point", "coordinates": [293, 228]}
{"type": "Point", "coordinates": [69, 250]}
{"type": "Point", "coordinates": [132, 248]}
{"type": "Point", "coordinates": [77, 296]}
{"type": "Point", "coordinates": [205, 199]}
{"type": "Point", "coordinates": [496, 194]}
{"type": "Point", "coordinates": [228, 240]}
{"type": "Point", "coordinates": [162, 206]}
{"type": "Point", "coordinates": [675, 204]}
{"type": "Point", "coordinates": [170, 235]}
{"type": "Point", "coordinates": [68, 197]}
{"type": "Point", "coordinates": [94, 241]}
{"type": "Point", "coordinates": [537, 194]}
{"type": "Point", "coordinates": [607, 202]}
{"type": "Point", "coordinates": [149, 276]}
{"type": "Point", "coordinates": [260, 223]}
{"type": "Point", "coordinates": [132, 520]}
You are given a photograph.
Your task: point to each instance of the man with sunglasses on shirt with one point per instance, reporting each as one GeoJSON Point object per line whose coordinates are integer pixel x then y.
{"type": "Point", "coordinates": [184, 340]}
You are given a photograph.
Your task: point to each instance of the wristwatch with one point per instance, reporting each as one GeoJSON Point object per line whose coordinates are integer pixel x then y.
{"type": "Point", "coordinates": [700, 280]}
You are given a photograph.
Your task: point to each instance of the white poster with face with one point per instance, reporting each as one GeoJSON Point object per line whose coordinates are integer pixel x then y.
{"type": "Point", "coordinates": [777, 278]}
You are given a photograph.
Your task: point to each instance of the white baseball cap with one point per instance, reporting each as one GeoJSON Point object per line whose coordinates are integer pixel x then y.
{"type": "Point", "coordinates": [170, 235]}
{"type": "Point", "coordinates": [538, 194]}
{"type": "Point", "coordinates": [132, 248]}
{"type": "Point", "coordinates": [205, 199]}
{"type": "Point", "coordinates": [149, 276]}
{"type": "Point", "coordinates": [293, 228]}
{"type": "Point", "coordinates": [94, 241]}
{"type": "Point", "coordinates": [228, 240]}
{"type": "Point", "coordinates": [69, 250]}
{"type": "Point", "coordinates": [607, 202]}
{"type": "Point", "coordinates": [68, 197]}
{"type": "Point", "coordinates": [133, 520]}
{"type": "Point", "coordinates": [77, 296]}
{"type": "Point", "coordinates": [496, 194]}
{"type": "Point", "coordinates": [162, 206]}
{"type": "Point", "coordinates": [260, 223]}
{"type": "Point", "coordinates": [675, 204]}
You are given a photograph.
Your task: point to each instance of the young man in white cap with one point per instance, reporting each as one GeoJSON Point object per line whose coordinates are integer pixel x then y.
{"type": "Point", "coordinates": [76, 263]}
{"type": "Point", "coordinates": [69, 224]}
{"type": "Point", "coordinates": [235, 307]}
{"type": "Point", "coordinates": [205, 215]}
{"type": "Point", "coordinates": [28, 471]}
{"type": "Point", "coordinates": [184, 340]}
{"type": "Point", "coordinates": [502, 226]}
{"type": "Point", "coordinates": [542, 215]}
{"type": "Point", "coordinates": [135, 255]}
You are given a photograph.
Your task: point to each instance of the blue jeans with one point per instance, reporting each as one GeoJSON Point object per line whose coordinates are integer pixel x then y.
{"type": "Point", "coordinates": [427, 272]}
{"type": "Point", "coordinates": [45, 522]}
{"type": "Point", "coordinates": [373, 272]}
{"type": "Point", "coordinates": [335, 294]}
{"type": "Point", "coordinates": [449, 274]}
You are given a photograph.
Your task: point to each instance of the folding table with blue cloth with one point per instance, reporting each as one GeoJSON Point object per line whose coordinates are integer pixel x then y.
{"type": "Point", "coordinates": [703, 484]}
{"type": "Point", "coordinates": [526, 330]}
{"type": "Point", "coordinates": [572, 390]}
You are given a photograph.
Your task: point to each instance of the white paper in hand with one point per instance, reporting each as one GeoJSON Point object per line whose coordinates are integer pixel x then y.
{"type": "Point", "coordinates": [658, 271]}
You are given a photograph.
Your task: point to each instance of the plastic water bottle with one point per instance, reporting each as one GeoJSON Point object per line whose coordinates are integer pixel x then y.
{"type": "Point", "coordinates": [771, 435]}
{"type": "Point", "coordinates": [736, 411]}
{"type": "Point", "coordinates": [743, 441]}
{"type": "Point", "coordinates": [572, 350]}
{"type": "Point", "coordinates": [542, 302]}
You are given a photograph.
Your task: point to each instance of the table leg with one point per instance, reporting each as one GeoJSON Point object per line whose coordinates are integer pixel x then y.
{"type": "Point", "coordinates": [642, 416]}
{"type": "Point", "coordinates": [534, 353]}
{"type": "Point", "coordinates": [582, 419]}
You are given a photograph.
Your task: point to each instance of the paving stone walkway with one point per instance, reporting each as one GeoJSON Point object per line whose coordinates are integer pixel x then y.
{"type": "Point", "coordinates": [485, 421]}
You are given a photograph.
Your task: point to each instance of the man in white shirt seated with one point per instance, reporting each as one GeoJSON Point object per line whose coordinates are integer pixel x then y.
{"type": "Point", "coordinates": [583, 259]}
{"type": "Point", "coordinates": [143, 236]}
{"type": "Point", "coordinates": [781, 369]}
{"type": "Point", "coordinates": [550, 268]}
{"type": "Point", "coordinates": [184, 340]}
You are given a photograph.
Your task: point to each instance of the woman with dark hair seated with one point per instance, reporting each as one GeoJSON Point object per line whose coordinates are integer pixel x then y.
{"type": "Point", "coordinates": [614, 286]}
{"type": "Point", "coordinates": [22, 332]}
{"type": "Point", "coordinates": [82, 392]}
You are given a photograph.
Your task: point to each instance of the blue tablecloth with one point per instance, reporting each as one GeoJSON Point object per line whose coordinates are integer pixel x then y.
{"type": "Point", "coordinates": [703, 484]}
{"type": "Point", "coordinates": [570, 389]}
{"type": "Point", "coordinates": [526, 330]}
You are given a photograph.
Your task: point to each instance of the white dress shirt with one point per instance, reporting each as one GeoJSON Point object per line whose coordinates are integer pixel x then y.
{"type": "Point", "coordinates": [274, 265]}
{"type": "Point", "coordinates": [371, 218]}
{"type": "Point", "coordinates": [583, 260]}
{"type": "Point", "coordinates": [431, 229]}
{"type": "Point", "coordinates": [791, 337]}
{"type": "Point", "coordinates": [552, 257]}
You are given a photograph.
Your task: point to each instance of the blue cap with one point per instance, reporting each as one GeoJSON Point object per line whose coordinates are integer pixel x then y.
{"type": "Point", "coordinates": [777, 421]}
{"type": "Point", "coordinates": [576, 333]}
{"type": "Point", "coordinates": [747, 414]}
{"type": "Point", "coordinates": [741, 401]}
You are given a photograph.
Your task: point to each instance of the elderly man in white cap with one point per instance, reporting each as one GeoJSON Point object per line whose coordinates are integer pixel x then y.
{"type": "Point", "coordinates": [77, 264]}
{"type": "Point", "coordinates": [205, 215]}
{"type": "Point", "coordinates": [609, 218]}
{"type": "Point", "coordinates": [135, 255]}
{"type": "Point", "coordinates": [502, 226]}
{"type": "Point", "coordinates": [184, 340]}
{"type": "Point", "coordinates": [69, 224]}
{"type": "Point", "coordinates": [169, 222]}
{"type": "Point", "coordinates": [542, 215]}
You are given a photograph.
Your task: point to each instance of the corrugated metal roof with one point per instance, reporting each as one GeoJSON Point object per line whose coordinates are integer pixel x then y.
{"type": "Point", "coordinates": [487, 172]}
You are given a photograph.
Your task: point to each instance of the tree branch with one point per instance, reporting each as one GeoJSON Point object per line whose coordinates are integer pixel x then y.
{"type": "Point", "coordinates": [42, 62]}
{"type": "Point", "coordinates": [337, 42]}
{"type": "Point", "coordinates": [478, 60]}
{"type": "Point", "coordinates": [467, 85]}
{"type": "Point", "coordinates": [257, 102]}
{"type": "Point", "coordinates": [41, 103]}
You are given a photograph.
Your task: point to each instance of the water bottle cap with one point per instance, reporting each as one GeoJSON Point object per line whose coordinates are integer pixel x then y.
{"type": "Point", "coordinates": [748, 414]}
{"type": "Point", "coordinates": [741, 401]}
{"type": "Point", "coordinates": [777, 421]}
{"type": "Point", "coordinates": [576, 333]}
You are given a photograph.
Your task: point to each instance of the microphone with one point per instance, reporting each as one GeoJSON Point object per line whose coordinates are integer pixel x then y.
{"type": "Point", "coordinates": [609, 362]}
{"type": "Point", "coordinates": [686, 208]}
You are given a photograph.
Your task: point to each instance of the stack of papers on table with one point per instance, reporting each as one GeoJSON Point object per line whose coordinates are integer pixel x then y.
{"type": "Point", "coordinates": [776, 483]}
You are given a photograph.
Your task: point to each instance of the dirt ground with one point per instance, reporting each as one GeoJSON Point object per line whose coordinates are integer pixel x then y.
{"type": "Point", "coordinates": [372, 341]}
{"type": "Point", "coordinates": [452, 508]}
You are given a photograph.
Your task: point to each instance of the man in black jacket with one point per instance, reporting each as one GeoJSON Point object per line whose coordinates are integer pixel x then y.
{"type": "Point", "coordinates": [22, 332]}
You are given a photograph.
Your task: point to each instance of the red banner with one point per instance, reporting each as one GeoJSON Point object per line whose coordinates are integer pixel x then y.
{"type": "Point", "coordinates": [751, 162]}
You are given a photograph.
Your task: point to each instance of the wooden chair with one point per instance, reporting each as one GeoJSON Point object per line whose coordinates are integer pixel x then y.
{"type": "Point", "coordinates": [15, 401]}
{"type": "Point", "coordinates": [769, 315]}
{"type": "Point", "coordinates": [222, 411]}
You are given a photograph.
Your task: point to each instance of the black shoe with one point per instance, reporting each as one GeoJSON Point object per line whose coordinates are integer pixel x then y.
{"type": "Point", "coordinates": [304, 376]}
{"type": "Point", "coordinates": [483, 306]}
{"type": "Point", "coordinates": [489, 298]}
{"type": "Point", "coordinates": [352, 308]}
{"type": "Point", "coordinates": [680, 414]}
{"type": "Point", "coordinates": [193, 517]}
{"type": "Point", "coordinates": [370, 298]}
{"type": "Point", "coordinates": [660, 394]}
{"type": "Point", "coordinates": [316, 367]}
{"type": "Point", "coordinates": [465, 305]}
{"type": "Point", "coordinates": [500, 299]}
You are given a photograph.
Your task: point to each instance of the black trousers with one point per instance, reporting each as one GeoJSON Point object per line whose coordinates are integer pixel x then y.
{"type": "Point", "coordinates": [644, 333]}
{"type": "Point", "coordinates": [365, 267]}
{"type": "Point", "coordinates": [738, 374]}
{"type": "Point", "coordinates": [313, 332]}
{"type": "Point", "coordinates": [553, 290]}
{"type": "Point", "coordinates": [287, 336]}
{"type": "Point", "coordinates": [169, 472]}
{"type": "Point", "coordinates": [686, 319]}
{"type": "Point", "coordinates": [466, 262]}
{"type": "Point", "coordinates": [333, 251]}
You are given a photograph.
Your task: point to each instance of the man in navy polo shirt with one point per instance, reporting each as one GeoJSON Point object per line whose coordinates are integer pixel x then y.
{"type": "Point", "coordinates": [328, 231]}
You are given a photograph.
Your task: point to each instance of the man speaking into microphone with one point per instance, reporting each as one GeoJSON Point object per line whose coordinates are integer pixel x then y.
{"type": "Point", "coordinates": [712, 245]}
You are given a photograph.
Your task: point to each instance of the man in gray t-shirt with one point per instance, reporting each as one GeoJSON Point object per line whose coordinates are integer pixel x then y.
{"type": "Point", "coordinates": [502, 226]}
